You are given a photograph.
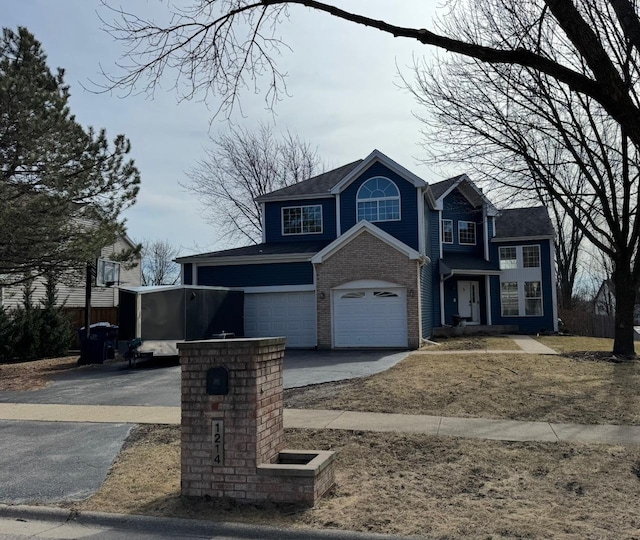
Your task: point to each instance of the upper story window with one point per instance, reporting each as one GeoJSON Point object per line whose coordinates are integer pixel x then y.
{"type": "Point", "coordinates": [530, 256]}
{"type": "Point", "coordinates": [508, 258]}
{"type": "Point", "coordinates": [514, 257]}
{"type": "Point", "coordinates": [447, 231]}
{"type": "Point", "coordinates": [378, 199]}
{"type": "Point", "coordinates": [302, 219]}
{"type": "Point", "coordinates": [467, 232]}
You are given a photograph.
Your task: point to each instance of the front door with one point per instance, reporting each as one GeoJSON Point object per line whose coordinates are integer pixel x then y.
{"type": "Point", "coordinates": [469, 301]}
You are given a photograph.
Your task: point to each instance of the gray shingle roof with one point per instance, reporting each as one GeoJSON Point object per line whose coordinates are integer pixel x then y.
{"type": "Point", "coordinates": [275, 248]}
{"type": "Point", "coordinates": [523, 222]}
{"type": "Point", "coordinates": [463, 261]}
{"type": "Point", "coordinates": [439, 188]}
{"type": "Point", "coordinates": [312, 187]}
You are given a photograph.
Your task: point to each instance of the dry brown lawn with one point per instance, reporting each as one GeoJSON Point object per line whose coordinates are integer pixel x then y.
{"type": "Point", "coordinates": [513, 386]}
{"type": "Point", "coordinates": [502, 343]}
{"type": "Point", "coordinates": [579, 344]}
{"type": "Point", "coordinates": [24, 376]}
{"type": "Point", "coordinates": [411, 484]}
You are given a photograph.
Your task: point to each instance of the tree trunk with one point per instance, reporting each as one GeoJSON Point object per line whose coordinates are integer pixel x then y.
{"type": "Point", "coordinates": [625, 294]}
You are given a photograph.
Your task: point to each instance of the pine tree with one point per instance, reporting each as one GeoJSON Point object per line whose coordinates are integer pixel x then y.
{"type": "Point", "coordinates": [26, 325]}
{"type": "Point", "coordinates": [55, 329]}
{"type": "Point", "coordinates": [62, 187]}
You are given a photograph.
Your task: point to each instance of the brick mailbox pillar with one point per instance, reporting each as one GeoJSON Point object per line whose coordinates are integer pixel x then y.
{"type": "Point", "coordinates": [232, 426]}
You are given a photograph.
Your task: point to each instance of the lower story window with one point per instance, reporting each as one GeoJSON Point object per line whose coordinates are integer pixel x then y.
{"type": "Point", "coordinates": [521, 298]}
{"type": "Point", "coordinates": [532, 298]}
{"type": "Point", "coordinates": [509, 298]}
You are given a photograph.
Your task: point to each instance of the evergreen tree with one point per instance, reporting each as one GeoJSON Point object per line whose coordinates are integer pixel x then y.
{"type": "Point", "coordinates": [6, 336]}
{"type": "Point", "coordinates": [55, 329]}
{"type": "Point", "coordinates": [62, 187]}
{"type": "Point", "coordinates": [26, 325]}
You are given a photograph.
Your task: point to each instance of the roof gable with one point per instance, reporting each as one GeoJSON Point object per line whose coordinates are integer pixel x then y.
{"type": "Point", "coordinates": [376, 157]}
{"type": "Point", "coordinates": [359, 228]}
{"type": "Point", "coordinates": [467, 188]}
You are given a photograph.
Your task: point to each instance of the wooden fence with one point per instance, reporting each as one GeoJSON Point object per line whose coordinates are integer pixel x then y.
{"type": "Point", "coordinates": [98, 314]}
{"type": "Point", "coordinates": [583, 323]}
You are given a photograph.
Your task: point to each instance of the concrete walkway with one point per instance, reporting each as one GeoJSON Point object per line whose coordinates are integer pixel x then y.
{"type": "Point", "coordinates": [527, 345]}
{"type": "Point", "coordinates": [477, 428]}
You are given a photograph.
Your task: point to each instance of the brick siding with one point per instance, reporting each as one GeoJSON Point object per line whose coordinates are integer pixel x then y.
{"type": "Point", "coordinates": [367, 257]}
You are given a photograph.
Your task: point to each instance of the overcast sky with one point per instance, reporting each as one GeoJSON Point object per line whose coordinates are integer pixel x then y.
{"type": "Point", "coordinates": [342, 81]}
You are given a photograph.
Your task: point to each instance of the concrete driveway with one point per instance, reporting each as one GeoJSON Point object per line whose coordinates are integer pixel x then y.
{"type": "Point", "coordinates": [58, 461]}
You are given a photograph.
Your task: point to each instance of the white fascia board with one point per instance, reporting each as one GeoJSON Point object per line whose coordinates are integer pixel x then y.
{"type": "Point", "coordinates": [249, 259]}
{"type": "Point", "coordinates": [358, 229]}
{"type": "Point", "coordinates": [490, 209]}
{"type": "Point", "coordinates": [385, 160]}
{"type": "Point", "coordinates": [278, 289]}
{"type": "Point", "coordinates": [285, 198]}
{"type": "Point", "coordinates": [523, 238]}
{"type": "Point", "coordinates": [421, 229]}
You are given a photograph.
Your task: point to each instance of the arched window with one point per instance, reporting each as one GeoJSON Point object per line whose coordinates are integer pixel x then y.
{"type": "Point", "coordinates": [378, 199]}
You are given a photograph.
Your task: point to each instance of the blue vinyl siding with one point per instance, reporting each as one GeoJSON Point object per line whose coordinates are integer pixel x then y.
{"type": "Point", "coordinates": [434, 254]}
{"type": "Point", "coordinates": [405, 230]}
{"type": "Point", "coordinates": [257, 275]}
{"type": "Point", "coordinates": [273, 221]}
{"type": "Point", "coordinates": [527, 325]}
{"type": "Point", "coordinates": [187, 274]}
{"type": "Point", "coordinates": [457, 208]}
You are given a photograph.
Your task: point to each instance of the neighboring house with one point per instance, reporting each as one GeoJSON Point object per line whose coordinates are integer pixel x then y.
{"type": "Point", "coordinates": [605, 302]}
{"type": "Point", "coordinates": [370, 255]}
{"type": "Point", "coordinates": [71, 290]}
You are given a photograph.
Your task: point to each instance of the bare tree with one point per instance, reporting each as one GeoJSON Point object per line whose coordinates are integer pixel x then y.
{"type": "Point", "coordinates": [577, 62]}
{"type": "Point", "coordinates": [158, 266]}
{"type": "Point", "coordinates": [225, 46]}
{"type": "Point", "coordinates": [535, 135]}
{"type": "Point", "coordinates": [242, 165]}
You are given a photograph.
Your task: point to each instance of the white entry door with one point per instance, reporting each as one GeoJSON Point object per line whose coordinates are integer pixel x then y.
{"type": "Point", "coordinates": [370, 317]}
{"type": "Point", "coordinates": [288, 314]}
{"type": "Point", "coordinates": [469, 300]}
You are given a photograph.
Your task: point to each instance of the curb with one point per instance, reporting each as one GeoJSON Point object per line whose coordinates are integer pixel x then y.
{"type": "Point", "coordinates": [180, 527]}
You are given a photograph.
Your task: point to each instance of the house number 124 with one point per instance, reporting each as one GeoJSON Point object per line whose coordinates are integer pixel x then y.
{"type": "Point", "coordinates": [217, 436]}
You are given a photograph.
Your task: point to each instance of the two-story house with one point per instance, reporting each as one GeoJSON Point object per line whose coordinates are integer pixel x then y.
{"type": "Point", "coordinates": [370, 255]}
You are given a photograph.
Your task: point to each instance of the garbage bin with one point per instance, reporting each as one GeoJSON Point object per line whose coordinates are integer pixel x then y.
{"type": "Point", "coordinates": [100, 345]}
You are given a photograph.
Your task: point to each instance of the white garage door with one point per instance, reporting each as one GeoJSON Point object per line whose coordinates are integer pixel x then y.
{"type": "Point", "coordinates": [370, 317]}
{"type": "Point", "coordinates": [288, 314]}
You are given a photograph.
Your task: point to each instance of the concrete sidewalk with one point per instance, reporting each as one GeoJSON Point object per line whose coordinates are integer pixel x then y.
{"type": "Point", "coordinates": [477, 428]}
{"type": "Point", "coordinates": [527, 345]}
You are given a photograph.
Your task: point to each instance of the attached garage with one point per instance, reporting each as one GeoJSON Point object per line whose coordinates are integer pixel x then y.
{"type": "Point", "coordinates": [370, 317]}
{"type": "Point", "coordinates": [288, 314]}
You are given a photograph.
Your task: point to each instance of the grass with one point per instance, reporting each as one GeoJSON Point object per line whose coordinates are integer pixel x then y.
{"type": "Point", "coordinates": [33, 375]}
{"type": "Point", "coordinates": [411, 484]}
{"type": "Point", "coordinates": [576, 344]}
{"type": "Point", "coordinates": [501, 343]}
{"type": "Point", "coordinates": [513, 386]}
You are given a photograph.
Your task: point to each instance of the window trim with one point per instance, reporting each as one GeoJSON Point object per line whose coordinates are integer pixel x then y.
{"type": "Point", "coordinates": [537, 247]}
{"type": "Point", "coordinates": [442, 231]}
{"type": "Point", "coordinates": [517, 298]}
{"type": "Point", "coordinates": [301, 207]}
{"type": "Point", "coordinates": [541, 298]}
{"type": "Point", "coordinates": [475, 233]}
{"type": "Point", "coordinates": [515, 249]}
{"type": "Point", "coordinates": [377, 200]}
